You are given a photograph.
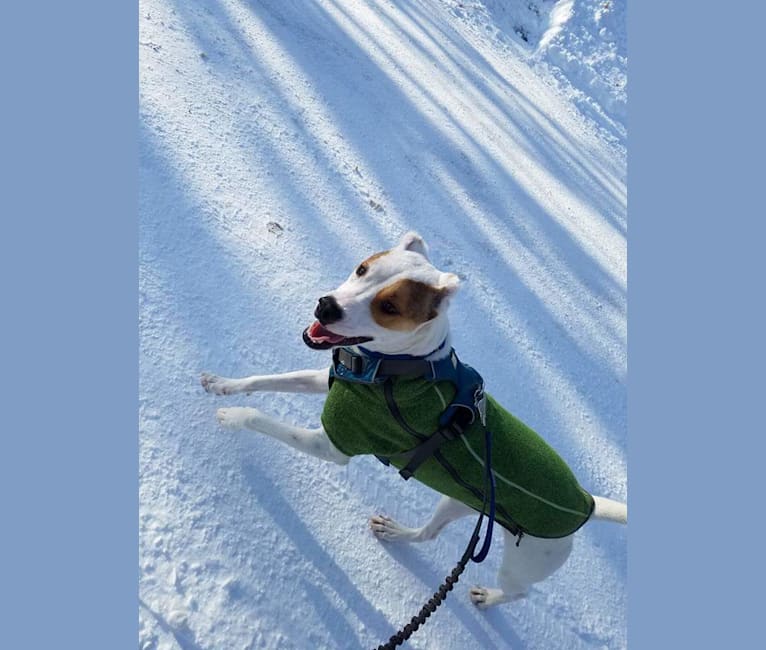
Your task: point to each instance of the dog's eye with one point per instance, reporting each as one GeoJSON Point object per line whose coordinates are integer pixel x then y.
{"type": "Point", "coordinates": [361, 270]}
{"type": "Point", "coordinates": [388, 307]}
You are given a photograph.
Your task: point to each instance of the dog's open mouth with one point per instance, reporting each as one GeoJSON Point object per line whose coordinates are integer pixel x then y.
{"type": "Point", "coordinates": [317, 336]}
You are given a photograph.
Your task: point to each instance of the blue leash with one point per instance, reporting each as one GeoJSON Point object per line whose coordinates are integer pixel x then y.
{"type": "Point", "coordinates": [490, 484]}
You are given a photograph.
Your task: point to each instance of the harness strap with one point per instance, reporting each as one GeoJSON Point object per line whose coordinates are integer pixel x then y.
{"type": "Point", "coordinates": [417, 456]}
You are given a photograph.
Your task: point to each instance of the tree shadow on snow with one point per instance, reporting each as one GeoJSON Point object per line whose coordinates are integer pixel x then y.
{"type": "Point", "coordinates": [295, 531]}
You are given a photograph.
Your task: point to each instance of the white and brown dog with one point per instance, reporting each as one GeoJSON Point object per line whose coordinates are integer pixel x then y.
{"type": "Point", "coordinates": [395, 303]}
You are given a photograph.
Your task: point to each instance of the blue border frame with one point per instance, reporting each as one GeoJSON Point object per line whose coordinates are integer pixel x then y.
{"type": "Point", "coordinates": [695, 341]}
{"type": "Point", "coordinates": [70, 382]}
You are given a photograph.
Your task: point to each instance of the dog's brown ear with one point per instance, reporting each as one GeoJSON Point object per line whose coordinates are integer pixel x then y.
{"type": "Point", "coordinates": [415, 243]}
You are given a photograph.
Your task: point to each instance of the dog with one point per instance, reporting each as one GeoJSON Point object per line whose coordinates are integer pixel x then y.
{"type": "Point", "coordinates": [394, 306]}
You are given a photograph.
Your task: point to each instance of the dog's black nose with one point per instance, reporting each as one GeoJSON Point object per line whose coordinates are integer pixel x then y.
{"type": "Point", "coordinates": [328, 310]}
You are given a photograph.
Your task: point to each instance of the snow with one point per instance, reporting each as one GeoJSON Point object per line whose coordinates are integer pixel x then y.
{"type": "Point", "coordinates": [281, 142]}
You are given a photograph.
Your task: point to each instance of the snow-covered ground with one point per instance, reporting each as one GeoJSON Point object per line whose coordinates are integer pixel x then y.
{"type": "Point", "coordinates": [281, 141]}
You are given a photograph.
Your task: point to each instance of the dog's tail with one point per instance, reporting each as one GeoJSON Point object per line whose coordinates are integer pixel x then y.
{"type": "Point", "coordinates": [609, 510]}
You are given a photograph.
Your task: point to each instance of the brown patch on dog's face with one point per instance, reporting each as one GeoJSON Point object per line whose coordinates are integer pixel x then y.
{"type": "Point", "coordinates": [405, 304]}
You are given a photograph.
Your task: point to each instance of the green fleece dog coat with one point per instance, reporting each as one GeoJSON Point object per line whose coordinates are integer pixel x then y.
{"type": "Point", "coordinates": [536, 493]}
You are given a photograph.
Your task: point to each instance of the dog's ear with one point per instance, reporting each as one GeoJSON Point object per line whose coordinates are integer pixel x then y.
{"type": "Point", "coordinates": [414, 242]}
{"type": "Point", "coordinates": [448, 283]}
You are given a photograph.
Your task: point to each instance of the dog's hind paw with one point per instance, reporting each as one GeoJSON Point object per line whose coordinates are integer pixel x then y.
{"type": "Point", "coordinates": [484, 598]}
{"type": "Point", "coordinates": [388, 530]}
{"type": "Point", "coordinates": [218, 385]}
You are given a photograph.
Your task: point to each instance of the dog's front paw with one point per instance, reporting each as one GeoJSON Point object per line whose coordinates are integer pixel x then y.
{"type": "Point", "coordinates": [387, 529]}
{"type": "Point", "coordinates": [237, 417]}
{"type": "Point", "coordinates": [218, 385]}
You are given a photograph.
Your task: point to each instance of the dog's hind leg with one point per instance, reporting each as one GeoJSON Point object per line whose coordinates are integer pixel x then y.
{"type": "Point", "coordinates": [447, 510]}
{"type": "Point", "coordinates": [533, 560]}
{"type": "Point", "coordinates": [298, 381]}
{"type": "Point", "coordinates": [310, 441]}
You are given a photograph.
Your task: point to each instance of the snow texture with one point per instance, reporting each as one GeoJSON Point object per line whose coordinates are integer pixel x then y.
{"type": "Point", "coordinates": [281, 142]}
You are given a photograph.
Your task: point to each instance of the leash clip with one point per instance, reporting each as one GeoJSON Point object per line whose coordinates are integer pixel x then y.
{"type": "Point", "coordinates": [480, 400]}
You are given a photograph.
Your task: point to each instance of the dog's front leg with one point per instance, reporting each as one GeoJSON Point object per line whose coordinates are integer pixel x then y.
{"type": "Point", "coordinates": [310, 441]}
{"type": "Point", "coordinates": [299, 381]}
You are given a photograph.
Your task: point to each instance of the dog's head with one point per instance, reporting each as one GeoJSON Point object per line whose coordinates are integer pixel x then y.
{"type": "Point", "coordinates": [394, 302]}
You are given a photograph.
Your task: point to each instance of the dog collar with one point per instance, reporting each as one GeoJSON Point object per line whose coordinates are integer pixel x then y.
{"type": "Point", "coordinates": [369, 367]}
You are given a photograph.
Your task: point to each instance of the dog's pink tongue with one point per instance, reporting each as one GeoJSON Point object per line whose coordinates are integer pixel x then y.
{"type": "Point", "coordinates": [322, 335]}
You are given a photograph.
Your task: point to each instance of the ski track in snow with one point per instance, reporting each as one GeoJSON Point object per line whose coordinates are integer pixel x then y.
{"type": "Point", "coordinates": [282, 141]}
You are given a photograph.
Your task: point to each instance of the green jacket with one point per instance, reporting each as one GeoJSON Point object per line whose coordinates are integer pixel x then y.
{"type": "Point", "coordinates": [535, 491]}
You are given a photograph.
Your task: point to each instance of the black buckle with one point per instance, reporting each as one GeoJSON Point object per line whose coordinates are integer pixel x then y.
{"type": "Point", "coordinates": [453, 430]}
{"type": "Point", "coordinates": [351, 361]}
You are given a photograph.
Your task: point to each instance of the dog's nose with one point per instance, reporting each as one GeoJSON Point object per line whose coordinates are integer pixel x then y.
{"type": "Point", "coordinates": [328, 310]}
